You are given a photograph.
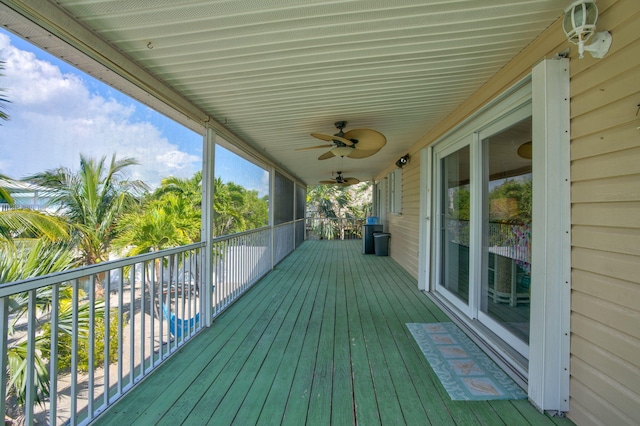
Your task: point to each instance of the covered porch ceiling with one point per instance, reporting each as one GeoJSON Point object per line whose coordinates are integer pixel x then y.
{"type": "Point", "coordinates": [269, 73]}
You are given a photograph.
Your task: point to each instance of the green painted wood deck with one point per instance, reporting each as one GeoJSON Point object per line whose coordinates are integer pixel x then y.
{"type": "Point", "coordinates": [320, 340]}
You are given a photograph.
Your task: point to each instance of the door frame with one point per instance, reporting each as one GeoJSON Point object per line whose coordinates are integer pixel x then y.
{"type": "Point", "coordinates": [547, 370]}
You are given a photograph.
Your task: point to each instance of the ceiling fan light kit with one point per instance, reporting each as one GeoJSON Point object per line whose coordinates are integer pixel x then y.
{"type": "Point", "coordinates": [356, 143]}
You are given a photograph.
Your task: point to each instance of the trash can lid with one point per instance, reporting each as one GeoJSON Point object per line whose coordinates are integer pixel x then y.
{"type": "Point", "coordinates": [381, 234]}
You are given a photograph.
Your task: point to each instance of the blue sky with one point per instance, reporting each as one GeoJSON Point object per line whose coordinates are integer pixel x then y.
{"type": "Point", "coordinates": [57, 112]}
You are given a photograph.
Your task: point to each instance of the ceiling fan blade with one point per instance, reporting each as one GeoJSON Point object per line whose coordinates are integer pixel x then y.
{"type": "Point", "coordinates": [326, 155]}
{"type": "Point", "coordinates": [331, 138]}
{"type": "Point", "coordinates": [359, 153]}
{"type": "Point", "coordinates": [313, 147]}
{"type": "Point", "coordinates": [327, 182]}
{"type": "Point", "coordinates": [368, 140]}
{"type": "Point", "coordinates": [350, 181]}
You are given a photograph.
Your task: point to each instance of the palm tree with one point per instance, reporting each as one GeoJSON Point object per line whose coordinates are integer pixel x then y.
{"type": "Point", "coordinates": [170, 217]}
{"type": "Point", "coordinates": [189, 189]}
{"type": "Point", "coordinates": [25, 223]}
{"type": "Point", "coordinates": [23, 261]}
{"type": "Point", "coordinates": [328, 202]}
{"type": "Point", "coordinates": [92, 200]}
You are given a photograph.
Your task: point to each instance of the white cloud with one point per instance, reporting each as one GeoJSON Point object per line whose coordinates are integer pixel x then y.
{"type": "Point", "coordinates": [54, 117]}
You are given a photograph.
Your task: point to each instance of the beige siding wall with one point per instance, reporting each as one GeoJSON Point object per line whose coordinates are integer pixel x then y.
{"type": "Point", "coordinates": [404, 228]}
{"type": "Point", "coordinates": [605, 175]}
{"type": "Point", "coordinates": [605, 195]}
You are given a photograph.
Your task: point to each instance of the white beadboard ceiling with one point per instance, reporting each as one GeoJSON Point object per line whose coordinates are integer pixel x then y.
{"type": "Point", "coordinates": [272, 72]}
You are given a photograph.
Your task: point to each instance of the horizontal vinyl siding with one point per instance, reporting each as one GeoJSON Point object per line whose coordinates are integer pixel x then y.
{"type": "Point", "coordinates": [605, 196]}
{"type": "Point", "coordinates": [404, 228]}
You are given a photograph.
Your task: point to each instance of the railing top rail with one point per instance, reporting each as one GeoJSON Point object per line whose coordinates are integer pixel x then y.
{"type": "Point", "coordinates": [280, 225]}
{"type": "Point", "coordinates": [58, 277]}
{"type": "Point", "coordinates": [239, 234]}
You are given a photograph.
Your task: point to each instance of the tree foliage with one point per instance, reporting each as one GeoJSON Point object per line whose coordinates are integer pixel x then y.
{"type": "Point", "coordinates": [512, 201]}
{"type": "Point", "coordinates": [335, 210]}
{"type": "Point", "coordinates": [92, 200]}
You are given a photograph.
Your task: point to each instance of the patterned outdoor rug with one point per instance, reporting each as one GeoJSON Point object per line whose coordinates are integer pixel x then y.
{"type": "Point", "coordinates": [465, 371]}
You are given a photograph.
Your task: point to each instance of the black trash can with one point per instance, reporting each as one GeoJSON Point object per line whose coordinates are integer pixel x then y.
{"type": "Point", "coordinates": [367, 237]}
{"type": "Point", "coordinates": [381, 243]}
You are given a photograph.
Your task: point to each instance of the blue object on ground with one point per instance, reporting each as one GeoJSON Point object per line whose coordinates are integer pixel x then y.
{"type": "Point", "coordinates": [178, 326]}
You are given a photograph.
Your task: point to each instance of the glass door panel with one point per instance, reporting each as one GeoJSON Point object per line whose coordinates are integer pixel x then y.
{"type": "Point", "coordinates": [454, 224]}
{"type": "Point", "coordinates": [506, 251]}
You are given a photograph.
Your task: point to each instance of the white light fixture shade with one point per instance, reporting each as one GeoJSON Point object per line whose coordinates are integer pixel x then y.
{"type": "Point", "coordinates": [342, 151]}
{"type": "Point", "coordinates": [580, 24]}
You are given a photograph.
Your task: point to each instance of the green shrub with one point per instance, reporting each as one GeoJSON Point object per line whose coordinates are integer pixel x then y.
{"type": "Point", "coordinates": [64, 344]}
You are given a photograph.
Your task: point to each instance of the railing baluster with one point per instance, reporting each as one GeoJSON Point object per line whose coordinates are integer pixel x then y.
{"type": "Point", "coordinates": [132, 324]}
{"type": "Point", "coordinates": [161, 300]}
{"type": "Point", "coordinates": [53, 356]}
{"type": "Point", "coordinates": [107, 338]}
{"type": "Point", "coordinates": [120, 328]}
{"type": "Point", "coordinates": [174, 286]}
{"type": "Point", "coordinates": [31, 358]}
{"type": "Point", "coordinates": [143, 314]}
{"type": "Point", "coordinates": [73, 410]}
{"type": "Point", "coordinates": [91, 344]}
{"type": "Point", "coordinates": [152, 311]}
{"type": "Point", "coordinates": [4, 324]}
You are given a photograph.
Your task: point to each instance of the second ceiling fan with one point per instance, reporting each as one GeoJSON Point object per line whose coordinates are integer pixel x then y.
{"type": "Point", "coordinates": [340, 180]}
{"type": "Point", "coordinates": [356, 143]}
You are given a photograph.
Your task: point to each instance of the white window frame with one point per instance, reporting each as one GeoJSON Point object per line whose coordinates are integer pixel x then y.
{"type": "Point", "coordinates": [394, 181]}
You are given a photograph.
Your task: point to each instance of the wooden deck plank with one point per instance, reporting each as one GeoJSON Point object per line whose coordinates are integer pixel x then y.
{"type": "Point", "coordinates": [299, 396]}
{"type": "Point", "coordinates": [342, 410]}
{"type": "Point", "coordinates": [242, 381]}
{"type": "Point", "coordinates": [202, 392]}
{"type": "Point", "coordinates": [278, 395]}
{"type": "Point", "coordinates": [387, 328]}
{"type": "Point", "coordinates": [319, 411]}
{"type": "Point", "coordinates": [389, 407]}
{"type": "Point", "coordinates": [422, 376]}
{"type": "Point", "coordinates": [364, 394]}
{"type": "Point", "coordinates": [271, 379]}
{"type": "Point", "coordinates": [200, 350]}
{"type": "Point", "coordinates": [240, 370]}
{"type": "Point", "coordinates": [322, 339]}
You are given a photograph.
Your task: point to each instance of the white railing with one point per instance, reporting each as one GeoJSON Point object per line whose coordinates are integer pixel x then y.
{"type": "Point", "coordinates": [283, 241]}
{"type": "Point", "coordinates": [6, 207]}
{"type": "Point", "coordinates": [239, 261]}
{"type": "Point", "coordinates": [512, 240]}
{"type": "Point", "coordinates": [89, 334]}
{"type": "Point", "coordinates": [133, 312]}
{"type": "Point", "coordinates": [333, 228]}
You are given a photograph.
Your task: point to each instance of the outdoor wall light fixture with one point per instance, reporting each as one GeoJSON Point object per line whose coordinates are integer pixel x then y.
{"type": "Point", "coordinates": [402, 161]}
{"type": "Point", "coordinates": [580, 25]}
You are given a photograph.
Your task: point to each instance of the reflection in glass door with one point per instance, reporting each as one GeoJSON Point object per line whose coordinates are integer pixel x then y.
{"type": "Point", "coordinates": [506, 251]}
{"type": "Point", "coordinates": [454, 223]}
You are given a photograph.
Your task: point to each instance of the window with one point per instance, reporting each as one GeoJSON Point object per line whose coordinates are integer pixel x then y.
{"type": "Point", "coordinates": [395, 191]}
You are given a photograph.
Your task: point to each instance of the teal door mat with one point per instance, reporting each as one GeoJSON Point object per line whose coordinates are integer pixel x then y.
{"type": "Point", "coordinates": [466, 372]}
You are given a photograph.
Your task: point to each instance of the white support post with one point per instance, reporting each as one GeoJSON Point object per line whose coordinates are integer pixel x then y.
{"type": "Point", "coordinates": [208, 178]}
{"type": "Point", "coordinates": [272, 187]}
{"type": "Point", "coordinates": [549, 353]}
{"type": "Point", "coordinates": [424, 251]}
{"type": "Point", "coordinates": [295, 194]}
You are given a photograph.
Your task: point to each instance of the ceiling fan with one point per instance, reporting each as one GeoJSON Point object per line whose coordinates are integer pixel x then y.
{"type": "Point", "coordinates": [340, 180]}
{"type": "Point", "coordinates": [356, 143]}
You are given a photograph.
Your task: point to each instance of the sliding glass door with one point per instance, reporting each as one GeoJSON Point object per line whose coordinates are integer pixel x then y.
{"type": "Point", "coordinates": [483, 238]}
